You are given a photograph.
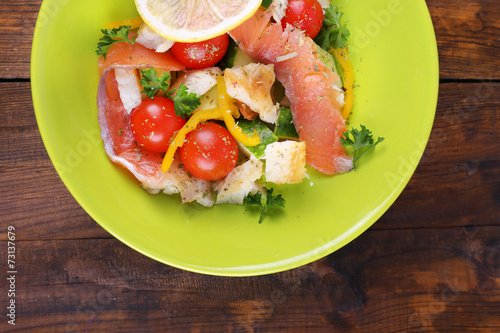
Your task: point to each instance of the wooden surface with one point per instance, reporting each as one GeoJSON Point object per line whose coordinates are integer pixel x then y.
{"type": "Point", "coordinates": [430, 264]}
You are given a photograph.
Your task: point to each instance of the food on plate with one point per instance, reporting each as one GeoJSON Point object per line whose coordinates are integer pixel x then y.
{"type": "Point", "coordinates": [306, 15]}
{"type": "Point", "coordinates": [202, 54]}
{"type": "Point", "coordinates": [220, 120]}
{"type": "Point", "coordinates": [310, 86]}
{"type": "Point", "coordinates": [210, 152]}
{"type": "Point", "coordinates": [194, 21]}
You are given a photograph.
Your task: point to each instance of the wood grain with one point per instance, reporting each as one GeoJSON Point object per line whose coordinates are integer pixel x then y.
{"type": "Point", "coordinates": [467, 37]}
{"type": "Point", "coordinates": [385, 281]}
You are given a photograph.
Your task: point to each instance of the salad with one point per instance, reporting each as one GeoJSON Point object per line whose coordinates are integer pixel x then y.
{"type": "Point", "coordinates": [226, 119]}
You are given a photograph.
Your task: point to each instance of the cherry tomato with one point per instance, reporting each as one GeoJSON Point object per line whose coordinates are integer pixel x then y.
{"type": "Point", "coordinates": [154, 122]}
{"type": "Point", "coordinates": [209, 152]}
{"type": "Point", "coordinates": [201, 54]}
{"type": "Point", "coordinates": [306, 15]}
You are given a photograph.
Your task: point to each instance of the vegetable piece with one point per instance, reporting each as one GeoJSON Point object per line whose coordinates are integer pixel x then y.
{"type": "Point", "coordinates": [202, 54]}
{"type": "Point", "coordinates": [342, 58]}
{"type": "Point", "coordinates": [152, 83]}
{"type": "Point", "coordinates": [180, 137]}
{"type": "Point", "coordinates": [265, 134]}
{"type": "Point", "coordinates": [228, 109]}
{"type": "Point", "coordinates": [154, 122]}
{"type": "Point", "coordinates": [332, 33]}
{"type": "Point", "coordinates": [210, 152]}
{"type": "Point", "coordinates": [333, 38]}
{"type": "Point", "coordinates": [234, 56]}
{"type": "Point", "coordinates": [285, 129]}
{"type": "Point", "coordinates": [184, 101]}
{"type": "Point", "coordinates": [306, 15]}
{"type": "Point", "coordinates": [112, 36]}
{"type": "Point", "coordinates": [271, 202]}
{"type": "Point", "coordinates": [133, 23]}
{"type": "Point", "coordinates": [225, 111]}
{"type": "Point", "coordinates": [361, 142]}
{"type": "Point", "coordinates": [328, 59]}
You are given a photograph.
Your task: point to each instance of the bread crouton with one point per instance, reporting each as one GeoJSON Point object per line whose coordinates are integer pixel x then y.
{"type": "Point", "coordinates": [240, 181]}
{"type": "Point", "coordinates": [251, 84]}
{"type": "Point", "coordinates": [285, 162]}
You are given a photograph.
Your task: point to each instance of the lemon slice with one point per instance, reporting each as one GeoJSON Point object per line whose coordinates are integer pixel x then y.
{"type": "Point", "coordinates": [195, 20]}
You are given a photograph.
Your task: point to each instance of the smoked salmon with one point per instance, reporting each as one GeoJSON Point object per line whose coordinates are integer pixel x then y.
{"type": "Point", "coordinates": [309, 85]}
{"type": "Point", "coordinates": [116, 133]}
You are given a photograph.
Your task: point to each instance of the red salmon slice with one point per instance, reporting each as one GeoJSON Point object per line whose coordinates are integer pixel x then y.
{"type": "Point", "coordinates": [117, 135]}
{"type": "Point", "coordinates": [136, 56]}
{"type": "Point", "coordinates": [309, 84]}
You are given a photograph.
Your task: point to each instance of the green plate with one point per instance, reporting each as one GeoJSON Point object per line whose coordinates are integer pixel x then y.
{"type": "Point", "coordinates": [394, 54]}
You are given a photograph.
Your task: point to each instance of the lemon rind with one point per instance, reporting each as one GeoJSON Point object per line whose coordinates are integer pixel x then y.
{"type": "Point", "coordinates": [189, 36]}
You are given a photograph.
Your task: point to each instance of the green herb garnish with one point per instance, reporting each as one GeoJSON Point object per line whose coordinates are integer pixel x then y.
{"type": "Point", "coordinates": [152, 83]}
{"type": "Point", "coordinates": [184, 102]}
{"type": "Point", "coordinates": [112, 36]}
{"type": "Point", "coordinates": [271, 202]}
{"type": "Point", "coordinates": [332, 34]}
{"type": "Point", "coordinates": [360, 141]}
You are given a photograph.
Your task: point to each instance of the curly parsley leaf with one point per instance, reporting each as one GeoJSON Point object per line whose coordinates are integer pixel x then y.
{"type": "Point", "coordinates": [152, 83]}
{"type": "Point", "coordinates": [271, 202]}
{"type": "Point", "coordinates": [332, 34]}
{"type": "Point", "coordinates": [184, 101]}
{"type": "Point", "coordinates": [360, 141]}
{"type": "Point", "coordinates": [112, 36]}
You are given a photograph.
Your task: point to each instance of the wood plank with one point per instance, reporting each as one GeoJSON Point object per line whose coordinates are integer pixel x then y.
{"type": "Point", "coordinates": [467, 37]}
{"type": "Point", "coordinates": [17, 26]}
{"type": "Point", "coordinates": [386, 281]}
{"type": "Point", "coordinates": [458, 179]}
{"type": "Point", "coordinates": [33, 196]}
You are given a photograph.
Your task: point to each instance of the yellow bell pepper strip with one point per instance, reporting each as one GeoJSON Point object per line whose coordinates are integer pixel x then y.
{"type": "Point", "coordinates": [133, 23]}
{"type": "Point", "coordinates": [342, 58]}
{"type": "Point", "coordinates": [180, 137]}
{"type": "Point", "coordinates": [226, 101]}
{"type": "Point", "coordinates": [228, 110]}
{"type": "Point", "coordinates": [225, 112]}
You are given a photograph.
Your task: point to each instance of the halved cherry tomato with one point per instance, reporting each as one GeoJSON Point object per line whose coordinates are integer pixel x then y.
{"type": "Point", "coordinates": [201, 54]}
{"type": "Point", "coordinates": [306, 15]}
{"type": "Point", "coordinates": [209, 152]}
{"type": "Point", "coordinates": [154, 122]}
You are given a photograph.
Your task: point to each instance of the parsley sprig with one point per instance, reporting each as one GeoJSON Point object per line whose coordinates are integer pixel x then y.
{"type": "Point", "coordinates": [360, 141]}
{"type": "Point", "coordinates": [332, 34]}
{"type": "Point", "coordinates": [152, 83]}
{"type": "Point", "coordinates": [184, 102]}
{"type": "Point", "coordinates": [112, 36]}
{"type": "Point", "coordinates": [271, 202]}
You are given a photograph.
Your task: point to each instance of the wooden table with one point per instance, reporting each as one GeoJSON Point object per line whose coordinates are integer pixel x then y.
{"type": "Point", "coordinates": [431, 263]}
